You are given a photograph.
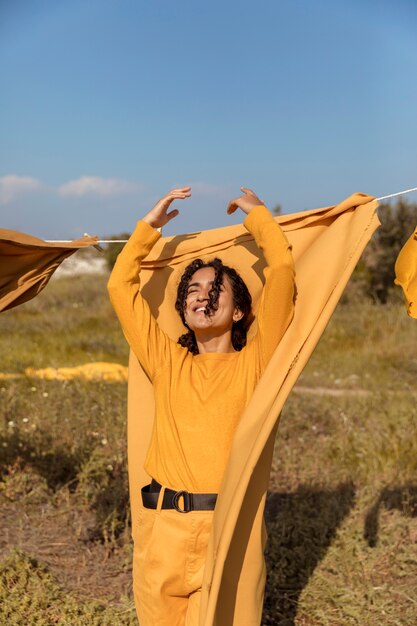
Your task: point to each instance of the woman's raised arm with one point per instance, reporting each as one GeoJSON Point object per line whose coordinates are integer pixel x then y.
{"type": "Point", "coordinates": [150, 344]}
{"type": "Point", "coordinates": [276, 307]}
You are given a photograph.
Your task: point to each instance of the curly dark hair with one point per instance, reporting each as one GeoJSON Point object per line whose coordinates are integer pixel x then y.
{"type": "Point", "coordinates": [241, 300]}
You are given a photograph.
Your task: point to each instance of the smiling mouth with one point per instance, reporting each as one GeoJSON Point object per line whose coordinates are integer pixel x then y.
{"type": "Point", "coordinates": [201, 309]}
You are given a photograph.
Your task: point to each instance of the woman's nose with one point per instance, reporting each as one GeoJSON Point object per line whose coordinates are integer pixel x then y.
{"type": "Point", "coordinates": [203, 294]}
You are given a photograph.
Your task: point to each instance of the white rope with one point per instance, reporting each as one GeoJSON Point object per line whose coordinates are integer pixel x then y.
{"type": "Point", "coordinates": [392, 195]}
{"type": "Point", "coordinates": [399, 193]}
{"type": "Point", "coordinates": [99, 241]}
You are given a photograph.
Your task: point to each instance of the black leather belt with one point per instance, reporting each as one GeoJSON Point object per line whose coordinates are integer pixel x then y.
{"type": "Point", "coordinates": [191, 501]}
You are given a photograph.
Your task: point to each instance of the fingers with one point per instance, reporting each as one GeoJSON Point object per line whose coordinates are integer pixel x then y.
{"type": "Point", "coordinates": [180, 192]}
{"type": "Point", "coordinates": [176, 194]}
{"type": "Point", "coordinates": [232, 206]}
{"type": "Point", "coordinates": [252, 194]}
{"type": "Point", "coordinates": [245, 202]}
{"type": "Point", "coordinates": [158, 216]}
{"type": "Point", "coordinates": [172, 214]}
{"type": "Point", "coordinates": [249, 192]}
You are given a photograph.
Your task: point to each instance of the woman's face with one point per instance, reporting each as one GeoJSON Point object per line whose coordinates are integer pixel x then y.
{"type": "Point", "coordinates": [196, 315]}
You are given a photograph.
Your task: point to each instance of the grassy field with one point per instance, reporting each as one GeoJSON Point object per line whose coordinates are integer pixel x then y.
{"type": "Point", "coordinates": [342, 507]}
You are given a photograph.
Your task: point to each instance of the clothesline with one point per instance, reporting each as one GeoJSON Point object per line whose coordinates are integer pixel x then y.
{"type": "Point", "coordinates": [392, 195]}
{"type": "Point", "coordinates": [399, 193]}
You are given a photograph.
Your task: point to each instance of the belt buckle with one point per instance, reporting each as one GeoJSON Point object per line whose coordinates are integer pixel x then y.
{"type": "Point", "coordinates": [187, 501]}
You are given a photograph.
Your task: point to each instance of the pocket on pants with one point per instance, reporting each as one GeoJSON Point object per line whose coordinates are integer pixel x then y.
{"type": "Point", "coordinates": [146, 525]}
{"type": "Point", "coordinates": [200, 529]}
{"type": "Point", "coordinates": [142, 588]}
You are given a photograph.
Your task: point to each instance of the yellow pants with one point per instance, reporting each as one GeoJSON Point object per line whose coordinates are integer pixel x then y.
{"type": "Point", "coordinates": [168, 564]}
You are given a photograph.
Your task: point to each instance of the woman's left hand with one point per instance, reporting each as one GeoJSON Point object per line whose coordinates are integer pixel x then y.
{"type": "Point", "coordinates": [245, 202]}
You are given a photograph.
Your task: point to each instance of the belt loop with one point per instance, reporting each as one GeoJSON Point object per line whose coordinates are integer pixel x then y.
{"type": "Point", "coordinates": [160, 500]}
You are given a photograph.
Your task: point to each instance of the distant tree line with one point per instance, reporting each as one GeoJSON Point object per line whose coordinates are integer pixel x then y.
{"type": "Point", "coordinates": [374, 275]}
{"type": "Point", "coordinates": [111, 251]}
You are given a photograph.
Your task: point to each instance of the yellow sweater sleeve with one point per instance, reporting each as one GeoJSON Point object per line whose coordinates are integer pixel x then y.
{"type": "Point", "coordinates": [276, 307]}
{"type": "Point", "coordinates": [149, 343]}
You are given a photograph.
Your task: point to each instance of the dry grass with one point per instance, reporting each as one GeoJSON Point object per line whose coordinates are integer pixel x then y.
{"type": "Point", "coordinates": [342, 507]}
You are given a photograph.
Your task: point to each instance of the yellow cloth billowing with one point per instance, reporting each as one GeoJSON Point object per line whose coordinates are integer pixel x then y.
{"type": "Point", "coordinates": [199, 399]}
{"type": "Point", "coordinates": [27, 264]}
{"type": "Point", "coordinates": [326, 245]}
{"type": "Point", "coordinates": [406, 273]}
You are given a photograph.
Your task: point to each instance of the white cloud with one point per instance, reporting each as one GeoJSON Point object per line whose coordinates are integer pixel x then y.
{"type": "Point", "coordinates": [99, 186]}
{"type": "Point", "coordinates": [11, 186]}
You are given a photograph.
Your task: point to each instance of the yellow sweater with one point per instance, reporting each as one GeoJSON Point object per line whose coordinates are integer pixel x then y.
{"type": "Point", "coordinates": [200, 398]}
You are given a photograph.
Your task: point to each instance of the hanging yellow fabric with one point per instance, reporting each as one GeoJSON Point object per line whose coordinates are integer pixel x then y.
{"type": "Point", "coordinates": [27, 264]}
{"type": "Point", "coordinates": [406, 273]}
{"type": "Point", "coordinates": [326, 245]}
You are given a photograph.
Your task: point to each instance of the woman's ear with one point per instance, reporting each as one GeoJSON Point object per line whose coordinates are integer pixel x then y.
{"type": "Point", "coordinates": [237, 315]}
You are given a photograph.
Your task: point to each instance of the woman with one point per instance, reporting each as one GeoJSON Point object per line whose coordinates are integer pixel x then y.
{"type": "Point", "coordinates": [202, 385]}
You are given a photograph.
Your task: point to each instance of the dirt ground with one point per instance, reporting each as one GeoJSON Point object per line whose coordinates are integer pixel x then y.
{"type": "Point", "coordinates": [62, 537]}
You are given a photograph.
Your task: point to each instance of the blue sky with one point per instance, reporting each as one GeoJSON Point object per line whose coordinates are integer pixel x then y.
{"type": "Point", "coordinates": [107, 104]}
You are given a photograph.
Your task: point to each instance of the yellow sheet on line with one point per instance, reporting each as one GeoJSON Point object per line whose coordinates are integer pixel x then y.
{"type": "Point", "coordinates": [27, 264]}
{"type": "Point", "coordinates": [327, 244]}
{"type": "Point", "coordinates": [406, 273]}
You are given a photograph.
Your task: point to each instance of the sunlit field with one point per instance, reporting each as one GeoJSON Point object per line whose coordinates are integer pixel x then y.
{"type": "Point", "coordinates": [342, 507]}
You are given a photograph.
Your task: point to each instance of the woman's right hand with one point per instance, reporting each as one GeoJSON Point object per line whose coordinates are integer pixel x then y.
{"type": "Point", "coordinates": [158, 215]}
{"type": "Point", "coordinates": [245, 202]}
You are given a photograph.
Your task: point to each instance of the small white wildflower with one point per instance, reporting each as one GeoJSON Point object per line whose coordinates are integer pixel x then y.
{"type": "Point", "coordinates": [95, 433]}
{"type": "Point", "coordinates": [343, 417]}
{"type": "Point", "coordinates": [11, 423]}
{"type": "Point", "coordinates": [20, 444]}
{"type": "Point", "coordinates": [4, 444]}
{"type": "Point", "coordinates": [45, 394]}
{"type": "Point", "coordinates": [110, 467]}
{"type": "Point", "coordinates": [25, 420]}
{"type": "Point", "coordinates": [104, 441]}
{"type": "Point", "coordinates": [33, 388]}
